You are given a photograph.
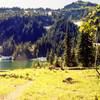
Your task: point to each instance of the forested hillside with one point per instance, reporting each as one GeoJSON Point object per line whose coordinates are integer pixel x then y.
{"type": "Point", "coordinates": [20, 30]}
{"type": "Point", "coordinates": [54, 39]}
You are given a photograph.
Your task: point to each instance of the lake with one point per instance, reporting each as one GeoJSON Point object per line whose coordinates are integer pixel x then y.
{"type": "Point", "coordinates": [16, 64]}
{"type": "Point", "coordinates": [9, 64]}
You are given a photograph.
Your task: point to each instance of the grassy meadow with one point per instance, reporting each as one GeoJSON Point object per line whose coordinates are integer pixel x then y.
{"type": "Point", "coordinates": [50, 85]}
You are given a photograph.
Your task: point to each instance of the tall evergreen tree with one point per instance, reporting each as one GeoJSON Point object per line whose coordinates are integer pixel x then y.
{"type": "Point", "coordinates": [65, 58]}
{"type": "Point", "coordinates": [87, 48]}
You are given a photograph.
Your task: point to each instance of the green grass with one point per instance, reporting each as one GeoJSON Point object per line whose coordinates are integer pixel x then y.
{"type": "Point", "coordinates": [49, 85]}
{"type": "Point", "coordinates": [8, 83]}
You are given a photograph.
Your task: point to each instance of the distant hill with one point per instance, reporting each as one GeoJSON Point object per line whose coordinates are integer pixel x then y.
{"type": "Point", "coordinates": [79, 4]}
{"type": "Point", "coordinates": [77, 10]}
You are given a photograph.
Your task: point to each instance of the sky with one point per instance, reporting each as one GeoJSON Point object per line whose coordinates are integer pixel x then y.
{"type": "Point", "coordinates": [55, 4]}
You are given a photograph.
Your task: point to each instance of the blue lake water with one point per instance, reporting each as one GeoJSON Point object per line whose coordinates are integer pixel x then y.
{"type": "Point", "coordinates": [8, 64]}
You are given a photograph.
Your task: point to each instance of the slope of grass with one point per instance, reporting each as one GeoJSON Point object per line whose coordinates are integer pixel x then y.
{"type": "Point", "coordinates": [9, 81]}
{"type": "Point", "coordinates": [49, 85]}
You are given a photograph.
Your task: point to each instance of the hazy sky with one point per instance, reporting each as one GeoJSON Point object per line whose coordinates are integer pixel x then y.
{"type": "Point", "coordinates": [38, 3]}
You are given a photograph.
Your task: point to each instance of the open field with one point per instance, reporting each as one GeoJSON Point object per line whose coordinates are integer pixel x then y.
{"type": "Point", "coordinates": [43, 84]}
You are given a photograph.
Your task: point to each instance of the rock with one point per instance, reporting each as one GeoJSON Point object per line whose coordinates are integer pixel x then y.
{"type": "Point", "coordinates": [68, 80]}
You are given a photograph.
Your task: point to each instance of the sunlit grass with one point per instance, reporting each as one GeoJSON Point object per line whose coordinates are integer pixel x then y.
{"type": "Point", "coordinates": [5, 88]}
{"type": "Point", "coordinates": [49, 85]}
{"type": "Point", "coordinates": [8, 84]}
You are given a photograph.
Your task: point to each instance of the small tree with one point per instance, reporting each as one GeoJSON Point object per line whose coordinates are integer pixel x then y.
{"type": "Point", "coordinates": [47, 55]}
{"type": "Point", "coordinates": [56, 61]}
{"type": "Point", "coordinates": [51, 57]}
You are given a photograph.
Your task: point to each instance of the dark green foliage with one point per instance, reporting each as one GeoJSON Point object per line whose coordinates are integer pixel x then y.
{"type": "Point", "coordinates": [98, 56]}
{"type": "Point", "coordinates": [19, 30]}
{"type": "Point", "coordinates": [47, 55]}
{"type": "Point", "coordinates": [65, 57]}
{"type": "Point", "coordinates": [87, 49]}
{"type": "Point", "coordinates": [90, 31]}
{"type": "Point", "coordinates": [51, 57]}
{"type": "Point", "coordinates": [74, 58]}
{"type": "Point", "coordinates": [69, 55]}
{"type": "Point", "coordinates": [23, 50]}
{"type": "Point", "coordinates": [8, 47]}
{"type": "Point", "coordinates": [54, 39]}
{"type": "Point", "coordinates": [61, 38]}
{"type": "Point", "coordinates": [69, 51]}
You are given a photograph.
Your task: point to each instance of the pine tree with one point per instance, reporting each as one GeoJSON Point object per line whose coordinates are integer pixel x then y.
{"type": "Point", "coordinates": [47, 55]}
{"type": "Point", "coordinates": [69, 51]}
{"type": "Point", "coordinates": [69, 43]}
{"type": "Point", "coordinates": [51, 57]}
{"type": "Point", "coordinates": [65, 58]}
{"type": "Point", "coordinates": [74, 58]}
{"type": "Point", "coordinates": [87, 49]}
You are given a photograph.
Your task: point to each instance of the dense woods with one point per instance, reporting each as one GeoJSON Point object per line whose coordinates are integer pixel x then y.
{"type": "Point", "coordinates": [18, 30]}
{"type": "Point", "coordinates": [61, 36]}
